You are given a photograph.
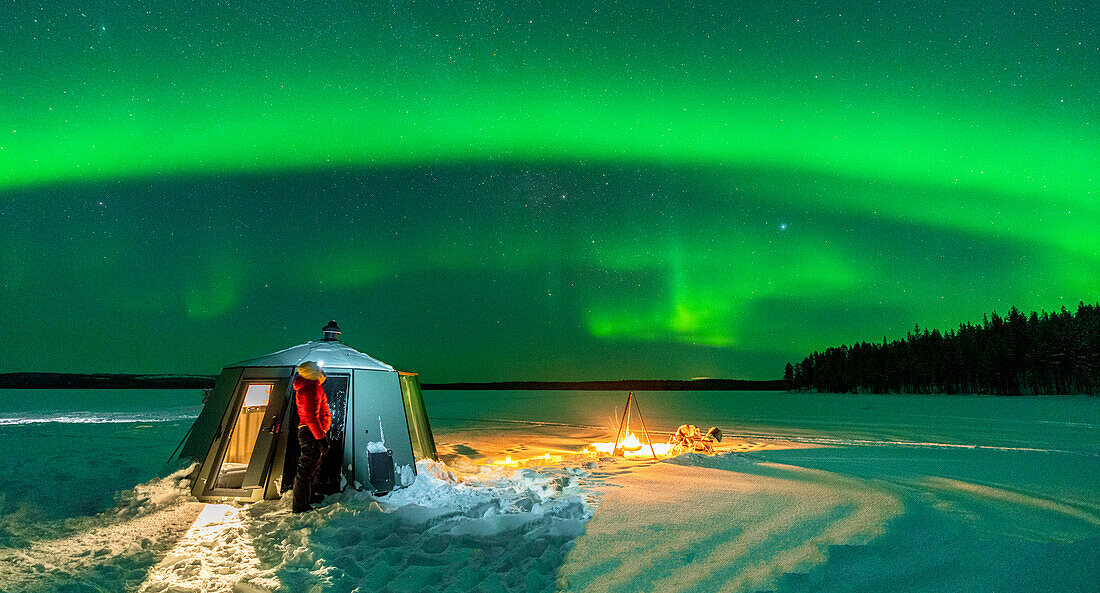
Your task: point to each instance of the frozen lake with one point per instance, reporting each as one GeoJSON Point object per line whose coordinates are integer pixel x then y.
{"type": "Point", "coordinates": [831, 492]}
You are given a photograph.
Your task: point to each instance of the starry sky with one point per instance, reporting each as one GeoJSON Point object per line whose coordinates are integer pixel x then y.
{"type": "Point", "coordinates": [537, 190]}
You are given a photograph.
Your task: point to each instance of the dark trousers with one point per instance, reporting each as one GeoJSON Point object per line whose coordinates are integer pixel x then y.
{"type": "Point", "coordinates": [309, 466]}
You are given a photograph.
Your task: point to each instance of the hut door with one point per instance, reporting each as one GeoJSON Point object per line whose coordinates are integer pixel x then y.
{"type": "Point", "coordinates": [264, 448]}
{"type": "Point", "coordinates": [378, 414]}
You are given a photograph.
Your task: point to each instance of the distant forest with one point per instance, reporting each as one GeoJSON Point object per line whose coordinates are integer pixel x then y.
{"type": "Point", "coordinates": [1040, 353]}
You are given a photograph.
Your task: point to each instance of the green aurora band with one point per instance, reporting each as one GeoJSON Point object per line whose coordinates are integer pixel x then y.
{"type": "Point", "coordinates": [926, 163]}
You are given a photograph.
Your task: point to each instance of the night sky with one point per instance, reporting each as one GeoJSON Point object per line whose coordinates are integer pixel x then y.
{"type": "Point", "coordinates": [574, 190]}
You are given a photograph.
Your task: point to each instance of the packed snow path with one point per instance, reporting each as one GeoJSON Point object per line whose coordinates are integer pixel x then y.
{"type": "Point", "coordinates": [214, 555]}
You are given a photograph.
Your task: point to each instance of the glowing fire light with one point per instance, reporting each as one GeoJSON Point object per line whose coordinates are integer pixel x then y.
{"type": "Point", "coordinates": [536, 460]}
{"type": "Point", "coordinates": [631, 447]}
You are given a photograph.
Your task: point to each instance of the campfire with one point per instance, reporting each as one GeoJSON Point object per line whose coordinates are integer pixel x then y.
{"type": "Point", "coordinates": [626, 443]}
{"type": "Point", "coordinates": [688, 438]}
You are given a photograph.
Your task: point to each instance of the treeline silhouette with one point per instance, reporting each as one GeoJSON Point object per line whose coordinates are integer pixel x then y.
{"type": "Point", "coordinates": [1041, 353]}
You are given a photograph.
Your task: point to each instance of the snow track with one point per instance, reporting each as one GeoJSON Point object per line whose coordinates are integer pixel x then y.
{"type": "Point", "coordinates": [669, 527]}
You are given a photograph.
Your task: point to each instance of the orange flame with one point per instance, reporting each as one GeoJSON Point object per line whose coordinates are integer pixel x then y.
{"type": "Point", "coordinates": [631, 447]}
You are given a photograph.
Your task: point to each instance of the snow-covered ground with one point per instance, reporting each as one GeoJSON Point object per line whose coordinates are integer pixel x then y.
{"type": "Point", "coordinates": [807, 493]}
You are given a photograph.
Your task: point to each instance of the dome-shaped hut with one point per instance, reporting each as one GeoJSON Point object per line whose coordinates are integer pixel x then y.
{"type": "Point", "coordinates": [246, 436]}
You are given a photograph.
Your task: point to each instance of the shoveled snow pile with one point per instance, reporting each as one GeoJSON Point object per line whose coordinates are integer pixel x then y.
{"type": "Point", "coordinates": [497, 501]}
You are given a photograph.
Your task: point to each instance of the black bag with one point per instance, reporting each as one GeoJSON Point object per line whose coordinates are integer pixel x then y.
{"type": "Point", "coordinates": [381, 471]}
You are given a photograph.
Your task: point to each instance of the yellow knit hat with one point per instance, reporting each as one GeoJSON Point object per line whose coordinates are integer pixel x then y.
{"type": "Point", "coordinates": [311, 370]}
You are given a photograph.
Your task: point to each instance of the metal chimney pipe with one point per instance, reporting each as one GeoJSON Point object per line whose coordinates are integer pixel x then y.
{"type": "Point", "coordinates": [332, 332]}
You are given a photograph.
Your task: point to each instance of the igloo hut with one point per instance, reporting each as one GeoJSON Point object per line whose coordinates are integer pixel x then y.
{"type": "Point", "coordinates": [246, 439]}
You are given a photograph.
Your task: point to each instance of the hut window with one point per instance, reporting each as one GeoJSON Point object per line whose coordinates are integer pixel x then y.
{"type": "Point", "coordinates": [257, 395]}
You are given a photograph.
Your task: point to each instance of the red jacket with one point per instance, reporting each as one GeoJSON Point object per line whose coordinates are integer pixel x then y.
{"type": "Point", "coordinates": [312, 404]}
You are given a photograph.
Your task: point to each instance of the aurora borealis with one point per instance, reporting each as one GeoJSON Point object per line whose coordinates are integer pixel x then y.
{"type": "Point", "coordinates": [487, 191]}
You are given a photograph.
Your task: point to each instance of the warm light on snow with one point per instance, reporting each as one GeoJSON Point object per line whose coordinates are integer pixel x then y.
{"type": "Point", "coordinates": [536, 460]}
{"type": "Point", "coordinates": [213, 520]}
{"type": "Point", "coordinates": [214, 555]}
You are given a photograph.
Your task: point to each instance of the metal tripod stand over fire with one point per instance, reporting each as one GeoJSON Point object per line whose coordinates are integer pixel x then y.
{"type": "Point", "coordinates": [624, 428]}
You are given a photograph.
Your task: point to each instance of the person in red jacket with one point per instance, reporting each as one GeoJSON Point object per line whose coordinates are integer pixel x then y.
{"type": "Point", "coordinates": [314, 421]}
